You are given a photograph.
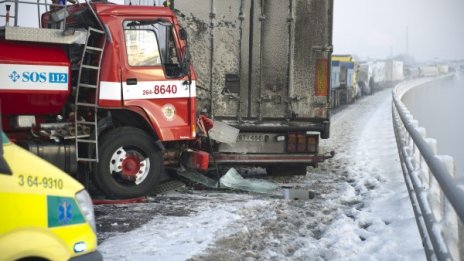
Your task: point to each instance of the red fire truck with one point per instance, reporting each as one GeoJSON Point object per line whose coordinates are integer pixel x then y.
{"type": "Point", "coordinates": [107, 93]}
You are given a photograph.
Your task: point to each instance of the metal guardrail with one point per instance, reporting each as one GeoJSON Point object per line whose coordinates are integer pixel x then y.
{"type": "Point", "coordinates": [435, 196]}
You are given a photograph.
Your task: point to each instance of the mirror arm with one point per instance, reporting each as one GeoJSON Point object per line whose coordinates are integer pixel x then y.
{"type": "Point", "coordinates": [189, 74]}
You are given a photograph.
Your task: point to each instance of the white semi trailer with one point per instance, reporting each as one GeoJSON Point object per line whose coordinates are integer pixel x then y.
{"type": "Point", "coordinates": [264, 68]}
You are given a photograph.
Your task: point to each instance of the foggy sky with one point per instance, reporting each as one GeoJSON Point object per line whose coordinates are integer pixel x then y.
{"type": "Point", "coordinates": [377, 28]}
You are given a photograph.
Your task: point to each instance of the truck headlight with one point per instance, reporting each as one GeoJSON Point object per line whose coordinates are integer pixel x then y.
{"type": "Point", "coordinates": [25, 121]}
{"type": "Point", "coordinates": [86, 206]}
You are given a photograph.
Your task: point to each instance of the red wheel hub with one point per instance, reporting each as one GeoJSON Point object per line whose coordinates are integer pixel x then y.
{"type": "Point", "coordinates": [130, 166]}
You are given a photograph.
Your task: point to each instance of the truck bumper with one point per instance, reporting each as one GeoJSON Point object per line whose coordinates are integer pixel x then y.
{"type": "Point", "coordinates": [270, 159]}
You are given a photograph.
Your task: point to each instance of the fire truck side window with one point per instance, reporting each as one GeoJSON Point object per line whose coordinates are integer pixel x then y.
{"type": "Point", "coordinates": [167, 45]}
{"type": "Point", "coordinates": [141, 44]}
{"type": "Point", "coordinates": [152, 43]}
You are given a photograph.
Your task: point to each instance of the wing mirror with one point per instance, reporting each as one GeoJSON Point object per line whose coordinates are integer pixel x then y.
{"type": "Point", "coordinates": [183, 34]}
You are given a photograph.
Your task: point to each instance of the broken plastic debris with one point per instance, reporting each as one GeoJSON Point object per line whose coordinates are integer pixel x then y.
{"type": "Point", "coordinates": [223, 133]}
{"type": "Point", "coordinates": [297, 193]}
{"type": "Point", "coordinates": [232, 179]}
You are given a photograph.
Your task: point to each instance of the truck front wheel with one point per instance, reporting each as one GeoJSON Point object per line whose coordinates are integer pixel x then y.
{"type": "Point", "coordinates": [129, 165]}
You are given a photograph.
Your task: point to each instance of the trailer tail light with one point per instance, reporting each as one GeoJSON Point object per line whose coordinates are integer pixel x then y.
{"type": "Point", "coordinates": [291, 143]}
{"type": "Point", "coordinates": [302, 143]}
{"type": "Point", "coordinates": [312, 143]}
{"type": "Point", "coordinates": [296, 143]}
{"type": "Point", "coordinates": [321, 84]}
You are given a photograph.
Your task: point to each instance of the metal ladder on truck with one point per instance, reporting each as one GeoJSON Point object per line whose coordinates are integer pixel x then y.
{"type": "Point", "coordinates": [86, 131]}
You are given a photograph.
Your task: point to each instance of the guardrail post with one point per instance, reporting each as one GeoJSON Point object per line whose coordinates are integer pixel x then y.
{"type": "Point", "coordinates": [451, 226]}
{"type": "Point", "coordinates": [409, 142]}
{"type": "Point", "coordinates": [435, 195]}
{"type": "Point", "coordinates": [416, 152]}
{"type": "Point", "coordinates": [424, 169]}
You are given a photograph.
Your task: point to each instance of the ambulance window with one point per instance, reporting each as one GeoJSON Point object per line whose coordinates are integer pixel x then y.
{"type": "Point", "coordinates": [141, 44]}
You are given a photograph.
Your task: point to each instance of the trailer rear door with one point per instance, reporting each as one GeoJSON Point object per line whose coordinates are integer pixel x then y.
{"type": "Point", "coordinates": [262, 60]}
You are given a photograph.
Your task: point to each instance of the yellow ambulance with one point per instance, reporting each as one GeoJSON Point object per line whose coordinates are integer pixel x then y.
{"type": "Point", "coordinates": [45, 214]}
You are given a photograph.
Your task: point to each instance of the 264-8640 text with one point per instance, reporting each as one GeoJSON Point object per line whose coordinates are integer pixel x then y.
{"type": "Point", "coordinates": [161, 89]}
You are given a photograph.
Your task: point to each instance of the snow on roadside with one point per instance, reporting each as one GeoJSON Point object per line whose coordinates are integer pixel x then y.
{"type": "Point", "coordinates": [361, 212]}
{"type": "Point", "coordinates": [383, 227]}
{"type": "Point", "coordinates": [361, 209]}
{"type": "Point", "coordinates": [175, 238]}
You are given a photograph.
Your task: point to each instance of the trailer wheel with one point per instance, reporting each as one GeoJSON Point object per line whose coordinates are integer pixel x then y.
{"type": "Point", "coordinates": [129, 165]}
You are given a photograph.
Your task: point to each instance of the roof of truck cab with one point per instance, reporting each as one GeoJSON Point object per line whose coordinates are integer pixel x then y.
{"type": "Point", "coordinates": [342, 57]}
{"type": "Point", "coordinates": [131, 10]}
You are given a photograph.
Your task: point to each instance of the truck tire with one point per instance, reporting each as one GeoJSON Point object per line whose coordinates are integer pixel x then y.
{"type": "Point", "coordinates": [129, 165]}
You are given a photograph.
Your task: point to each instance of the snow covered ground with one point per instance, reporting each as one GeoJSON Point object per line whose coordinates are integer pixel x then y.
{"type": "Point", "coordinates": [361, 209]}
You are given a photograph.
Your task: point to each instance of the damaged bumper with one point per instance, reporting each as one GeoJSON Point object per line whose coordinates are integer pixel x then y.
{"type": "Point", "coordinates": [306, 159]}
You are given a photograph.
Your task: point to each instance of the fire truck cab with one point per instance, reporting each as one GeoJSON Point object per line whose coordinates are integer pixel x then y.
{"type": "Point", "coordinates": [101, 90]}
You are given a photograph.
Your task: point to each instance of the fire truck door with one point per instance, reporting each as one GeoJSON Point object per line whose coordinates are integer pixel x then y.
{"type": "Point", "coordinates": [152, 78]}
